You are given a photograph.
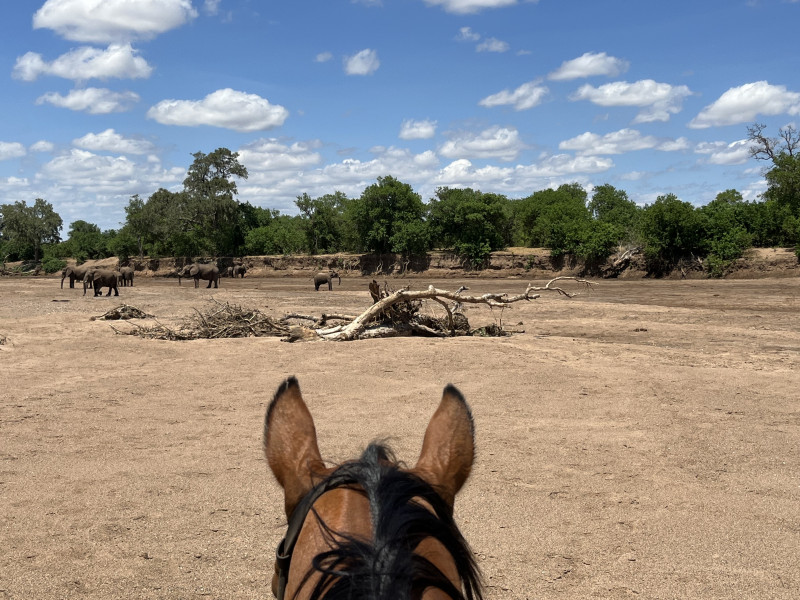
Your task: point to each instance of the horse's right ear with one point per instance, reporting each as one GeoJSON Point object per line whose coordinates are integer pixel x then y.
{"type": "Point", "coordinates": [448, 449]}
{"type": "Point", "coordinates": [290, 443]}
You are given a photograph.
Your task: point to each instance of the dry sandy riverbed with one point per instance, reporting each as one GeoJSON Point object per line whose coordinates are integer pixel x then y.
{"type": "Point", "coordinates": [641, 440]}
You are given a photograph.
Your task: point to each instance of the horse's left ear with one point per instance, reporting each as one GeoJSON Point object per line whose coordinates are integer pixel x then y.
{"type": "Point", "coordinates": [290, 444]}
{"type": "Point", "coordinates": [448, 448]}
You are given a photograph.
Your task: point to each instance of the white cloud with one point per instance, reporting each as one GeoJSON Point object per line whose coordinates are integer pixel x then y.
{"type": "Point", "coordinates": [226, 108]}
{"type": "Point", "coordinates": [275, 156]}
{"type": "Point", "coordinates": [117, 61]}
{"type": "Point", "coordinates": [721, 153]}
{"type": "Point", "coordinates": [417, 130]}
{"type": "Point", "coordinates": [89, 172]}
{"type": "Point", "coordinates": [492, 45]}
{"type": "Point", "coordinates": [362, 63]}
{"type": "Point", "coordinates": [551, 171]}
{"type": "Point", "coordinates": [111, 141]}
{"type": "Point", "coordinates": [282, 185]}
{"type": "Point", "coordinates": [465, 34]}
{"type": "Point", "coordinates": [465, 7]}
{"type": "Point", "coordinates": [742, 104]}
{"type": "Point", "coordinates": [496, 142]}
{"type": "Point", "coordinates": [95, 101]}
{"type": "Point", "coordinates": [323, 57]}
{"type": "Point", "coordinates": [526, 96]}
{"type": "Point", "coordinates": [620, 142]}
{"type": "Point", "coordinates": [211, 7]}
{"type": "Point", "coordinates": [659, 99]}
{"type": "Point", "coordinates": [588, 65]}
{"type": "Point", "coordinates": [107, 21]}
{"type": "Point", "coordinates": [42, 146]}
{"type": "Point", "coordinates": [10, 150]}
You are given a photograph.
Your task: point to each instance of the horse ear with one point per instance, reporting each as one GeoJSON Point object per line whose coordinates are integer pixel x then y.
{"type": "Point", "coordinates": [448, 448]}
{"type": "Point", "coordinates": [290, 443]}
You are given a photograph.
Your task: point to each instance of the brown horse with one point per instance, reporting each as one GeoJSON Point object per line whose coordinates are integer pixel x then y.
{"type": "Point", "coordinates": [371, 528]}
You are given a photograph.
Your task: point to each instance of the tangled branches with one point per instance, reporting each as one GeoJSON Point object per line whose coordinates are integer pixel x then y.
{"type": "Point", "coordinates": [220, 320]}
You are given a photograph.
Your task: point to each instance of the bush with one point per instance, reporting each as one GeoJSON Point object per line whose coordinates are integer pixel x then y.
{"type": "Point", "coordinates": [53, 265]}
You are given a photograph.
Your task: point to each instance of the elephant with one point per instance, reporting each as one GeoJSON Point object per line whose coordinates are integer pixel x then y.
{"type": "Point", "coordinates": [229, 271]}
{"type": "Point", "coordinates": [126, 276]}
{"type": "Point", "coordinates": [101, 278]}
{"type": "Point", "coordinates": [197, 271]}
{"type": "Point", "coordinates": [323, 277]}
{"type": "Point", "coordinates": [238, 271]}
{"type": "Point", "coordinates": [74, 274]}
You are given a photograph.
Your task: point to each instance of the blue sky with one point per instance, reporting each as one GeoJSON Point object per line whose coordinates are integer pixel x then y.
{"type": "Point", "coordinates": [104, 99]}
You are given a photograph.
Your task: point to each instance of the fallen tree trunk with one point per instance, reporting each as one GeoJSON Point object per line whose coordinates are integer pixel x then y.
{"type": "Point", "coordinates": [369, 324]}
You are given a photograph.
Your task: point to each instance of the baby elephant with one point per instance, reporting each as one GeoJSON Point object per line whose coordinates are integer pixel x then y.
{"type": "Point", "coordinates": [322, 278]}
{"type": "Point", "coordinates": [126, 276]}
{"type": "Point", "coordinates": [102, 278]}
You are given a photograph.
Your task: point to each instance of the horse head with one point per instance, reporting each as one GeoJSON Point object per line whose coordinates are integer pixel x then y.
{"type": "Point", "coordinates": [371, 528]}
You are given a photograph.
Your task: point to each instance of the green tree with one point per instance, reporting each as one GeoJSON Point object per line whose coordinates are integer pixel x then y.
{"type": "Point", "coordinates": [283, 234]}
{"type": "Point", "coordinates": [726, 235]}
{"type": "Point", "coordinates": [783, 179]}
{"type": "Point", "coordinates": [557, 219]}
{"type": "Point", "coordinates": [610, 205]}
{"type": "Point", "coordinates": [210, 209]}
{"type": "Point", "coordinates": [671, 230]}
{"type": "Point", "coordinates": [384, 212]}
{"type": "Point", "coordinates": [85, 241]}
{"type": "Point", "coordinates": [470, 222]}
{"type": "Point", "coordinates": [322, 219]}
{"type": "Point", "coordinates": [138, 222]}
{"type": "Point", "coordinates": [25, 229]}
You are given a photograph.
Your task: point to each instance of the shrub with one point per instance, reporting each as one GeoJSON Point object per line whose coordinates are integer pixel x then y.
{"type": "Point", "coordinates": [53, 265]}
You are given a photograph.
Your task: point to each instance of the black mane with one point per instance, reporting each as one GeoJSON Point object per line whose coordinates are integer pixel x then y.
{"type": "Point", "coordinates": [387, 568]}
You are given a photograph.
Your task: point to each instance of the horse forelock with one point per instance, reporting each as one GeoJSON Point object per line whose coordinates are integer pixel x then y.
{"type": "Point", "coordinates": [404, 511]}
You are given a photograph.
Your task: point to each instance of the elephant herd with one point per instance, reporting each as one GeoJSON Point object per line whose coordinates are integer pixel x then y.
{"type": "Point", "coordinates": [96, 278]}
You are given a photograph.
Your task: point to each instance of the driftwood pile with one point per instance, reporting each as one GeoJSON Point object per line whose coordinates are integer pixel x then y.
{"type": "Point", "coordinates": [397, 313]}
{"type": "Point", "coordinates": [392, 314]}
{"type": "Point", "coordinates": [219, 320]}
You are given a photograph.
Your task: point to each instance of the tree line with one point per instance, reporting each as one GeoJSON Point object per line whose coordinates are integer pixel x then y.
{"type": "Point", "coordinates": [206, 219]}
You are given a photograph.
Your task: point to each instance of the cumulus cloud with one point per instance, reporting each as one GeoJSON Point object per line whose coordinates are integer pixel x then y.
{"type": "Point", "coordinates": [465, 7]}
{"type": "Point", "coordinates": [95, 101]}
{"type": "Point", "coordinates": [721, 153]}
{"type": "Point", "coordinates": [742, 104]}
{"type": "Point", "coordinates": [275, 156]}
{"type": "Point", "coordinates": [492, 45]}
{"type": "Point", "coordinates": [524, 97]}
{"type": "Point", "coordinates": [550, 171]}
{"type": "Point", "coordinates": [362, 63]}
{"type": "Point", "coordinates": [226, 108]}
{"type": "Point", "coordinates": [10, 150]}
{"type": "Point", "coordinates": [89, 172]}
{"type": "Point", "coordinates": [323, 57]}
{"type": "Point", "coordinates": [660, 100]}
{"type": "Point", "coordinates": [588, 65]}
{"type": "Point", "coordinates": [269, 165]}
{"type": "Point", "coordinates": [417, 130]}
{"type": "Point", "coordinates": [107, 21]}
{"type": "Point", "coordinates": [118, 61]}
{"type": "Point", "coordinates": [111, 141]}
{"type": "Point", "coordinates": [620, 142]}
{"type": "Point", "coordinates": [496, 142]}
{"type": "Point", "coordinates": [42, 146]}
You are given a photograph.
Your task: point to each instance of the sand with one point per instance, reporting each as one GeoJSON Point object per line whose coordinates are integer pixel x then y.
{"type": "Point", "coordinates": [640, 440]}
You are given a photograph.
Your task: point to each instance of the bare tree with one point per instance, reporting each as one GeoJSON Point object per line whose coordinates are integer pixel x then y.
{"type": "Point", "coordinates": [767, 148]}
